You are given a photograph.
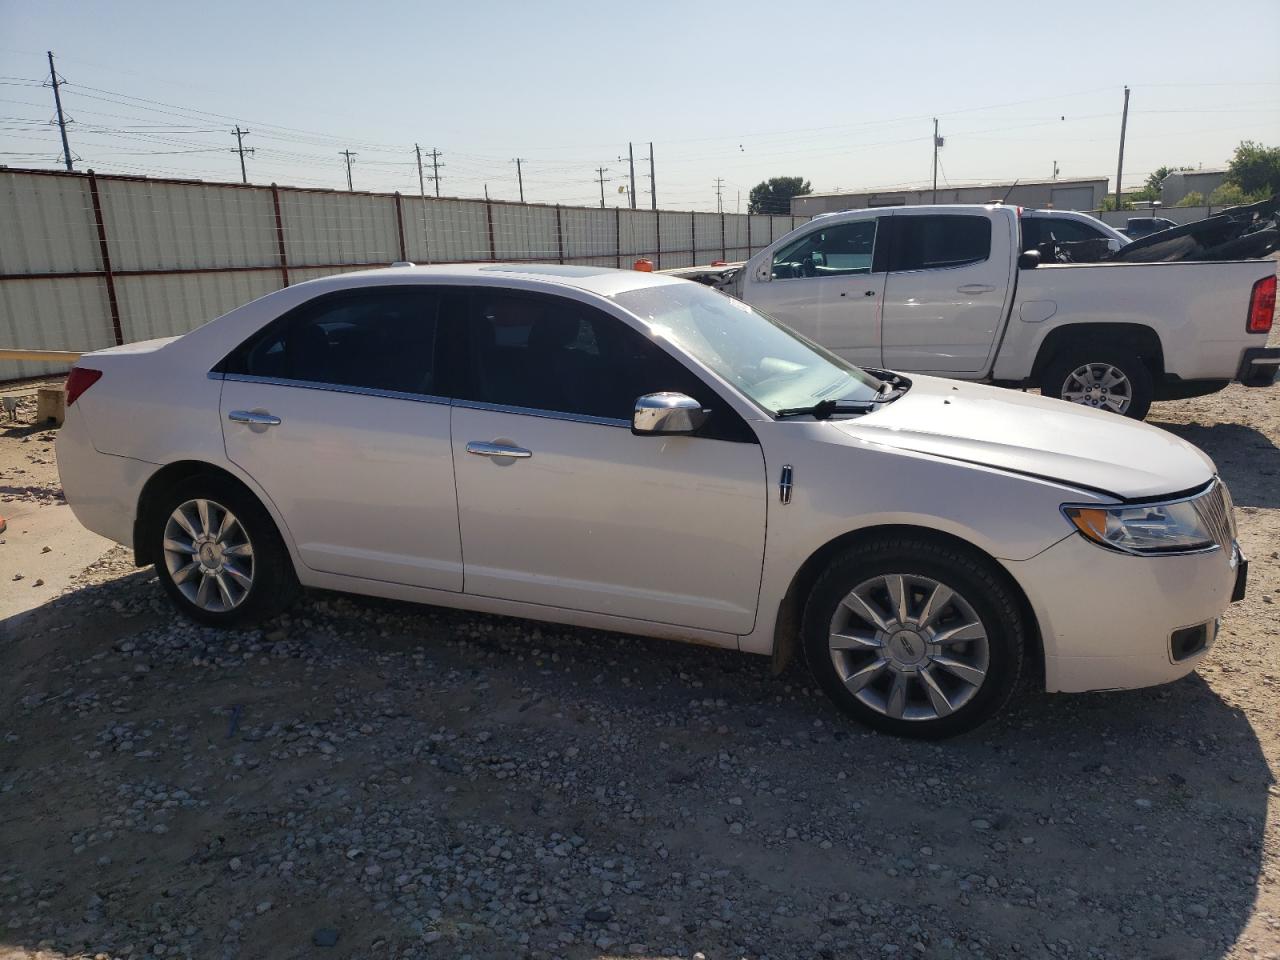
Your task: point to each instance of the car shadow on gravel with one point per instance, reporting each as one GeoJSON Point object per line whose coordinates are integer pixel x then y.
{"type": "Point", "coordinates": [1245, 456]}
{"type": "Point", "coordinates": [439, 782]}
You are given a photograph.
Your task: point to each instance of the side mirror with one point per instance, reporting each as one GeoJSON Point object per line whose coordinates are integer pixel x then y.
{"type": "Point", "coordinates": [669, 414]}
{"type": "Point", "coordinates": [1028, 259]}
{"type": "Point", "coordinates": [1114, 245]}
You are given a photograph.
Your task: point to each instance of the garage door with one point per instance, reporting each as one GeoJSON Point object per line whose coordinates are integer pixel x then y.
{"type": "Point", "coordinates": [1072, 198]}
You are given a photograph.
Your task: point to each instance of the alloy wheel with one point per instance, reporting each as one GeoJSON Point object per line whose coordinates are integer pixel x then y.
{"type": "Point", "coordinates": [909, 647]}
{"type": "Point", "coordinates": [208, 555]}
{"type": "Point", "coordinates": [1098, 385]}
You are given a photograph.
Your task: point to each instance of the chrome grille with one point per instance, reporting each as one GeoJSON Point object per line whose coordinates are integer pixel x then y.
{"type": "Point", "coordinates": [1215, 510]}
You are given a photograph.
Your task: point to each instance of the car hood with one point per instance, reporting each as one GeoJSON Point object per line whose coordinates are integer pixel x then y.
{"type": "Point", "coordinates": [1043, 437]}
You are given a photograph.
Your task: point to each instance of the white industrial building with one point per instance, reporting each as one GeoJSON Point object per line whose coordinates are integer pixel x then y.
{"type": "Point", "coordinates": [1081, 194]}
{"type": "Point", "coordinates": [1182, 182]}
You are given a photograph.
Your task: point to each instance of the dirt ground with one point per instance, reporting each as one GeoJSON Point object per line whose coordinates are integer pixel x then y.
{"type": "Point", "coordinates": [369, 779]}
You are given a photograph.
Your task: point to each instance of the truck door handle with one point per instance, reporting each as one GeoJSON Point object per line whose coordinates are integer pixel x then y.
{"type": "Point", "coordinates": [482, 449]}
{"type": "Point", "coordinates": [254, 418]}
{"type": "Point", "coordinates": [865, 293]}
{"type": "Point", "coordinates": [975, 288]}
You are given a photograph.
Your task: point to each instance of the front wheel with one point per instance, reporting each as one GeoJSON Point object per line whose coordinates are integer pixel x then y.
{"type": "Point", "coordinates": [914, 638]}
{"type": "Point", "coordinates": [1103, 377]}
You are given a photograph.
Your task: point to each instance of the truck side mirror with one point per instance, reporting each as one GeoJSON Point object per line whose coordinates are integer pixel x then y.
{"type": "Point", "coordinates": [1028, 259]}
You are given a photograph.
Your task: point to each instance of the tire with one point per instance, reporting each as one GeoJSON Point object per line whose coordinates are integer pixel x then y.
{"type": "Point", "coordinates": [981, 603]}
{"type": "Point", "coordinates": [248, 557]}
{"type": "Point", "coordinates": [1068, 369]}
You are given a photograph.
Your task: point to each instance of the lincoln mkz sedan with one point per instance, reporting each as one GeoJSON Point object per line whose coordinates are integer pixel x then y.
{"type": "Point", "coordinates": [631, 452]}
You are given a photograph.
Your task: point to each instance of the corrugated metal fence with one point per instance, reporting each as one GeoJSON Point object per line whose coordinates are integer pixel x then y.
{"type": "Point", "coordinates": [87, 261]}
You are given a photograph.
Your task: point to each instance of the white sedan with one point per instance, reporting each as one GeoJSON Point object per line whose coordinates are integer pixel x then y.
{"type": "Point", "coordinates": [632, 452]}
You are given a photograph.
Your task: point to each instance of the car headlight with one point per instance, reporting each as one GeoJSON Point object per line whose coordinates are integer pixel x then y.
{"type": "Point", "coordinates": [1174, 527]}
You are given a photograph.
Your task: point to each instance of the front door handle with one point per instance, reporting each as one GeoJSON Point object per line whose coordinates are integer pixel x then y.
{"type": "Point", "coordinates": [483, 449]}
{"type": "Point", "coordinates": [253, 417]}
{"type": "Point", "coordinates": [975, 288]}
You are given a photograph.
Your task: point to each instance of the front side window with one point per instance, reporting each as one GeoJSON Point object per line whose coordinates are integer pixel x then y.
{"type": "Point", "coordinates": [766, 361]}
{"type": "Point", "coordinates": [552, 354]}
{"type": "Point", "coordinates": [838, 250]}
{"type": "Point", "coordinates": [939, 241]}
{"type": "Point", "coordinates": [1066, 231]}
{"type": "Point", "coordinates": [370, 339]}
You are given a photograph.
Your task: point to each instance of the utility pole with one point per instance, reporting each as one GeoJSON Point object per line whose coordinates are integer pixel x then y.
{"type": "Point", "coordinates": [719, 190]}
{"type": "Point", "coordinates": [1055, 169]}
{"type": "Point", "coordinates": [435, 168]}
{"type": "Point", "coordinates": [631, 160]}
{"type": "Point", "coordinates": [601, 172]}
{"type": "Point", "coordinates": [348, 154]}
{"type": "Point", "coordinates": [62, 120]}
{"type": "Point", "coordinates": [1124, 122]}
{"type": "Point", "coordinates": [240, 149]}
{"type": "Point", "coordinates": [422, 187]}
{"type": "Point", "coordinates": [653, 184]}
{"type": "Point", "coordinates": [520, 176]}
{"type": "Point", "coordinates": [936, 144]}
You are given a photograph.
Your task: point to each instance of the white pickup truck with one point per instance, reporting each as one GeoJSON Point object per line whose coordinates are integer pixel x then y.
{"type": "Point", "coordinates": [947, 290]}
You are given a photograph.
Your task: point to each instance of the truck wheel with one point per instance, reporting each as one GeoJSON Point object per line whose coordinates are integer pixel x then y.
{"type": "Point", "coordinates": [914, 638]}
{"type": "Point", "coordinates": [1102, 377]}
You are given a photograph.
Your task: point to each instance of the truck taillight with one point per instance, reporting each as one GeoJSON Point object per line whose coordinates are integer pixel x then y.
{"type": "Point", "coordinates": [1262, 305]}
{"type": "Point", "coordinates": [79, 380]}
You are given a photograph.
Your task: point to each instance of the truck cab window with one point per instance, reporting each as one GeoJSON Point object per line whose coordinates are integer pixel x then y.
{"type": "Point", "coordinates": [840, 249]}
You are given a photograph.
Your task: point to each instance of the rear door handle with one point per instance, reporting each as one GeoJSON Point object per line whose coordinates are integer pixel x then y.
{"type": "Point", "coordinates": [253, 417]}
{"type": "Point", "coordinates": [483, 449]}
{"type": "Point", "coordinates": [975, 288]}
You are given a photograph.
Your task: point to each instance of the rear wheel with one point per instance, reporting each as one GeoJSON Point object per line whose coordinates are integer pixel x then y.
{"type": "Point", "coordinates": [914, 638]}
{"type": "Point", "coordinates": [1103, 377]}
{"type": "Point", "coordinates": [220, 557]}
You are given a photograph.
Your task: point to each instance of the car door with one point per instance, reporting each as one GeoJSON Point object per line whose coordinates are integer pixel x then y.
{"type": "Point", "coordinates": [827, 285]}
{"type": "Point", "coordinates": [338, 411]}
{"type": "Point", "coordinates": [946, 291]}
{"type": "Point", "coordinates": [561, 505]}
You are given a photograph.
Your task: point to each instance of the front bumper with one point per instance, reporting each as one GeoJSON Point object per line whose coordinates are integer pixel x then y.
{"type": "Point", "coordinates": [1258, 366]}
{"type": "Point", "coordinates": [1107, 620]}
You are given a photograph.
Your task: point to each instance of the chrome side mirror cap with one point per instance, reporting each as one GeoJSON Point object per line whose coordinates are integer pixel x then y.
{"type": "Point", "coordinates": [669, 414]}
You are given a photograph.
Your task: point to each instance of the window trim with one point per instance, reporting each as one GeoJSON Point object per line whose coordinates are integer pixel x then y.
{"type": "Point", "coordinates": [441, 353]}
{"type": "Point", "coordinates": [879, 250]}
{"type": "Point", "coordinates": [330, 387]}
{"type": "Point", "coordinates": [897, 231]}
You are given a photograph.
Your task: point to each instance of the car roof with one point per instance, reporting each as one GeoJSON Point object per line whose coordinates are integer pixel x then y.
{"type": "Point", "coordinates": [603, 281]}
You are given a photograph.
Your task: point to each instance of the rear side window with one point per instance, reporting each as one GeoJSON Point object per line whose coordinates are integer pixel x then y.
{"type": "Point", "coordinates": [938, 241]}
{"type": "Point", "coordinates": [371, 339]}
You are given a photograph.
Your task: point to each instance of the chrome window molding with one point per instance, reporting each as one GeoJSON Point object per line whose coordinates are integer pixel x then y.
{"type": "Point", "coordinates": [544, 414]}
{"type": "Point", "coordinates": [331, 387]}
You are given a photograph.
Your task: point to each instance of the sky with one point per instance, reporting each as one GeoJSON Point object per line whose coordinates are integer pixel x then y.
{"type": "Point", "coordinates": [842, 93]}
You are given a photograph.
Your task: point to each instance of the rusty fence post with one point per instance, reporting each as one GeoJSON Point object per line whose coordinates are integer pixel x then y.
{"type": "Point", "coordinates": [284, 260]}
{"type": "Point", "coordinates": [116, 328]}
{"type": "Point", "coordinates": [404, 252]}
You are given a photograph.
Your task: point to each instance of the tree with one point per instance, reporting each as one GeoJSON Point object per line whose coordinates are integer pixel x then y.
{"type": "Point", "coordinates": [1230, 195]}
{"type": "Point", "coordinates": [1192, 199]}
{"type": "Point", "coordinates": [774, 195]}
{"type": "Point", "coordinates": [1255, 169]}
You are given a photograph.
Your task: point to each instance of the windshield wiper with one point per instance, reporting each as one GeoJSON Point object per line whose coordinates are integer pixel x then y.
{"type": "Point", "coordinates": [825, 408]}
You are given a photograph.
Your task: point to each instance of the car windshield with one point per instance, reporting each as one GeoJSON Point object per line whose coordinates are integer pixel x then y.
{"type": "Point", "coordinates": [775, 367]}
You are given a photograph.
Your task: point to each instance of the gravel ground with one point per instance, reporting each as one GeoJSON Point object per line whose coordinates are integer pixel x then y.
{"type": "Point", "coordinates": [369, 779]}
